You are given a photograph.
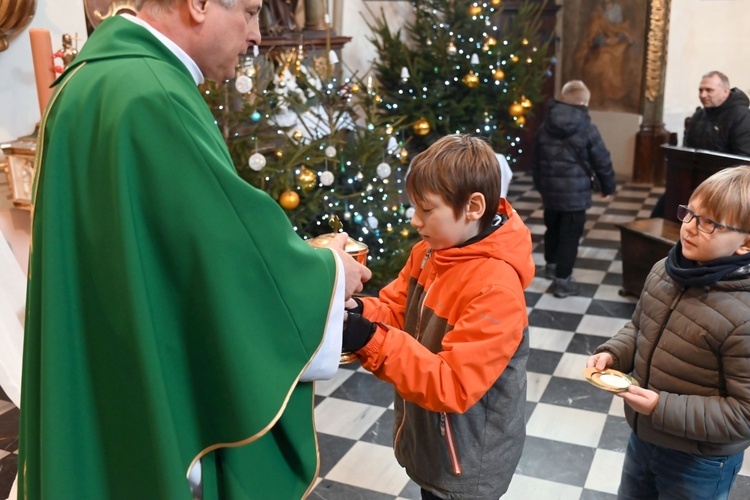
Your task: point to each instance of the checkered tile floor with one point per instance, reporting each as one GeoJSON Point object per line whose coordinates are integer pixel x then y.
{"type": "Point", "coordinates": [576, 433]}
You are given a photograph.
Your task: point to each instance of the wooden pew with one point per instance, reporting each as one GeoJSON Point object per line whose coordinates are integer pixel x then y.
{"type": "Point", "coordinates": [644, 242]}
{"type": "Point", "coordinates": [686, 168]}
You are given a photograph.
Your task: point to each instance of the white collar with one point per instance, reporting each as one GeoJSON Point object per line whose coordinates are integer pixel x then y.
{"type": "Point", "coordinates": [192, 67]}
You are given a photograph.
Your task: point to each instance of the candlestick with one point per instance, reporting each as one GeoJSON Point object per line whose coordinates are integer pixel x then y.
{"type": "Point", "coordinates": [44, 71]}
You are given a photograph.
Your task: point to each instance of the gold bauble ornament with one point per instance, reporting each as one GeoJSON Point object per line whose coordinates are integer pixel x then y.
{"type": "Point", "coordinates": [520, 121]}
{"type": "Point", "coordinates": [355, 88]}
{"type": "Point", "coordinates": [404, 232]}
{"type": "Point", "coordinates": [498, 74]}
{"type": "Point", "coordinates": [514, 59]}
{"type": "Point", "coordinates": [471, 79]}
{"type": "Point", "coordinates": [289, 200]}
{"type": "Point", "coordinates": [403, 155]}
{"type": "Point", "coordinates": [515, 109]}
{"type": "Point", "coordinates": [475, 9]}
{"type": "Point", "coordinates": [278, 153]}
{"type": "Point", "coordinates": [378, 99]}
{"type": "Point", "coordinates": [297, 135]}
{"type": "Point", "coordinates": [389, 129]}
{"type": "Point", "coordinates": [491, 41]}
{"type": "Point", "coordinates": [422, 126]}
{"type": "Point", "coordinates": [526, 102]}
{"type": "Point", "coordinates": [307, 178]}
{"type": "Point", "coordinates": [496, 3]}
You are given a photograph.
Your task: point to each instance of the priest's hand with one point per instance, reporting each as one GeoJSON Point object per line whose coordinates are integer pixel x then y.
{"type": "Point", "coordinates": [356, 273]}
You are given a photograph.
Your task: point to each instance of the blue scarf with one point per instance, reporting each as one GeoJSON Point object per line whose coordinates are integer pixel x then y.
{"type": "Point", "coordinates": [687, 272]}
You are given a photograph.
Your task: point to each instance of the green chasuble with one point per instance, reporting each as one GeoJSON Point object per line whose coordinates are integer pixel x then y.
{"type": "Point", "coordinates": [171, 307]}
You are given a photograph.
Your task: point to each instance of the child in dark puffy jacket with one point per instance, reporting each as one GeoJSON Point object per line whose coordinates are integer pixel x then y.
{"type": "Point", "coordinates": [688, 347]}
{"type": "Point", "coordinates": [451, 334]}
{"type": "Point", "coordinates": [568, 150]}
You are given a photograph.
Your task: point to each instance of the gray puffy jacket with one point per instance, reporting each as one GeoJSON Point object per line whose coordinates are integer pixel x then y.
{"type": "Point", "coordinates": [692, 346]}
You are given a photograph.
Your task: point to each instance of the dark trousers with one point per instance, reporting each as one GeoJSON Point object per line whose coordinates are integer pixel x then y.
{"type": "Point", "coordinates": [564, 230]}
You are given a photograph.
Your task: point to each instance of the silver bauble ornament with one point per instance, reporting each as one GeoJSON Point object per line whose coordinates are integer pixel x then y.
{"type": "Point", "coordinates": [330, 152]}
{"type": "Point", "coordinates": [409, 212]}
{"type": "Point", "coordinates": [257, 161]}
{"type": "Point", "coordinates": [383, 170]}
{"type": "Point", "coordinates": [243, 84]}
{"type": "Point", "coordinates": [326, 178]}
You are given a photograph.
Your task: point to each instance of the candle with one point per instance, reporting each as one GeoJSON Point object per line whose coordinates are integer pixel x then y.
{"type": "Point", "coordinates": [41, 53]}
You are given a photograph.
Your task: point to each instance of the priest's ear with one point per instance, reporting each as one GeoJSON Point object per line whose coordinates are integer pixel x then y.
{"type": "Point", "coordinates": [197, 9]}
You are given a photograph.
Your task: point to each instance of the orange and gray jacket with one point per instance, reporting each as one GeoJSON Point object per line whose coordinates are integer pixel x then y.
{"type": "Point", "coordinates": [455, 349]}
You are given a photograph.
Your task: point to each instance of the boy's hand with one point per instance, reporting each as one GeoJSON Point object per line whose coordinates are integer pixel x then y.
{"type": "Point", "coordinates": [606, 197]}
{"type": "Point", "coordinates": [600, 361]}
{"type": "Point", "coordinates": [642, 400]}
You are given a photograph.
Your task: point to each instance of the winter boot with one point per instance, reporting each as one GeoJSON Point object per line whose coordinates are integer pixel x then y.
{"type": "Point", "coordinates": [563, 287]}
{"type": "Point", "coordinates": [549, 270]}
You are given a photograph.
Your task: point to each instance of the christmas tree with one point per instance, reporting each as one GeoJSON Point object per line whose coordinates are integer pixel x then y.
{"type": "Point", "coordinates": [462, 67]}
{"type": "Point", "coordinates": [315, 142]}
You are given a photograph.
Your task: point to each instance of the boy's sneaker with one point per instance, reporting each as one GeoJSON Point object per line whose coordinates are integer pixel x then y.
{"type": "Point", "coordinates": [565, 287]}
{"type": "Point", "coordinates": [549, 271]}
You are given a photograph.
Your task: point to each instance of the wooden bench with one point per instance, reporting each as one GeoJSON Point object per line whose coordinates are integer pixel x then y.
{"type": "Point", "coordinates": [643, 243]}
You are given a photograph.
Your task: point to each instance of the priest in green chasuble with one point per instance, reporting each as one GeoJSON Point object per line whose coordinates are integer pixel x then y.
{"type": "Point", "coordinates": [175, 321]}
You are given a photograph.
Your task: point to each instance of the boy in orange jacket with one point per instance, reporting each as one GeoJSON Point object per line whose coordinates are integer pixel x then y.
{"type": "Point", "coordinates": [450, 332]}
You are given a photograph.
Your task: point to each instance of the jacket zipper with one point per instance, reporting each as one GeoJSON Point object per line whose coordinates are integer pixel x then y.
{"type": "Point", "coordinates": [647, 375]}
{"type": "Point", "coordinates": [447, 431]}
{"type": "Point", "coordinates": [419, 325]}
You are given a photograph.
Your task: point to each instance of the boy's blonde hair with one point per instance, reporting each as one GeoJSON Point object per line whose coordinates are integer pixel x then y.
{"type": "Point", "coordinates": [575, 92]}
{"type": "Point", "coordinates": [453, 168]}
{"type": "Point", "coordinates": [725, 196]}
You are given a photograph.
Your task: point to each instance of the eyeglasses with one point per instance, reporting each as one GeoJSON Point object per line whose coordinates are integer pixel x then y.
{"type": "Point", "coordinates": [704, 224]}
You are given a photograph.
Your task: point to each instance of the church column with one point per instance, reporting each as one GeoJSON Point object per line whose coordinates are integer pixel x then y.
{"type": "Point", "coordinates": [648, 163]}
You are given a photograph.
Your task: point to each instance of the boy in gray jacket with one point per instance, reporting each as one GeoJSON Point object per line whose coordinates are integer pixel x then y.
{"type": "Point", "coordinates": [688, 346]}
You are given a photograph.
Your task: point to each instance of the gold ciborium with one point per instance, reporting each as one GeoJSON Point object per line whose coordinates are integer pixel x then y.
{"type": "Point", "coordinates": [355, 248]}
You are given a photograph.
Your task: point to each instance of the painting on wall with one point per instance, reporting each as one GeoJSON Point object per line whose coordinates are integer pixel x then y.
{"type": "Point", "coordinates": [604, 45]}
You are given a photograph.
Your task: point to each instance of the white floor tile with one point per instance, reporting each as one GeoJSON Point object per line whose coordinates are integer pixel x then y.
{"type": "Point", "coordinates": [537, 383]}
{"type": "Point", "coordinates": [568, 425]}
{"type": "Point", "coordinates": [604, 234]}
{"type": "Point", "coordinates": [617, 407]}
{"type": "Point", "coordinates": [573, 304]}
{"type": "Point", "coordinates": [370, 466]}
{"type": "Point", "coordinates": [530, 488]}
{"type": "Point", "coordinates": [588, 275]}
{"type": "Point", "coordinates": [536, 228]}
{"type": "Point", "coordinates": [615, 267]}
{"type": "Point", "coordinates": [612, 292]}
{"type": "Point", "coordinates": [326, 387]}
{"type": "Point", "coordinates": [600, 325]}
{"type": "Point", "coordinates": [585, 252]}
{"type": "Point", "coordinates": [539, 285]}
{"type": "Point", "coordinates": [615, 219]}
{"type": "Point", "coordinates": [549, 339]}
{"type": "Point", "coordinates": [571, 366]}
{"type": "Point", "coordinates": [347, 419]}
{"type": "Point", "coordinates": [604, 474]}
